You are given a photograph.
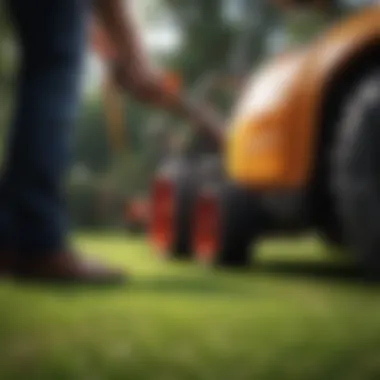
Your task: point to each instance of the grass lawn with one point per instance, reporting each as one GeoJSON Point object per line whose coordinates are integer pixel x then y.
{"type": "Point", "coordinates": [298, 315]}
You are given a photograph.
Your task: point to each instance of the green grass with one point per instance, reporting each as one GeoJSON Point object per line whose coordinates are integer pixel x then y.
{"type": "Point", "coordinates": [306, 317]}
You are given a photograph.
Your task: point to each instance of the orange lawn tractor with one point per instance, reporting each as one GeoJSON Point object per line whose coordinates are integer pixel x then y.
{"type": "Point", "coordinates": [301, 152]}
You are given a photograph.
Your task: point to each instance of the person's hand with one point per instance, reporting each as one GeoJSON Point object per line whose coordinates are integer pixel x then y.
{"type": "Point", "coordinates": [145, 84]}
{"type": "Point", "coordinates": [132, 73]}
{"type": "Point", "coordinates": [208, 122]}
{"type": "Point", "coordinates": [150, 87]}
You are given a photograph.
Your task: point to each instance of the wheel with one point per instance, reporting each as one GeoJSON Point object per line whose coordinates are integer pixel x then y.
{"type": "Point", "coordinates": [184, 198]}
{"type": "Point", "coordinates": [171, 206]}
{"type": "Point", "coordinates": [356, 173]}
{"type": "Point", "coordinates": [222, 227]}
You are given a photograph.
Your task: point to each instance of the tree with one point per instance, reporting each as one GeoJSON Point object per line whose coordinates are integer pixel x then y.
{"type": "Point", "coordinates": [8, 59]}
{"type": "Point", "coordinates": [220, 35]}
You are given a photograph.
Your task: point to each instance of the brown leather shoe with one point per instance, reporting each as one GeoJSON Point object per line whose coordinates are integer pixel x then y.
{"type": "Point", "coordinates": [67, 267]}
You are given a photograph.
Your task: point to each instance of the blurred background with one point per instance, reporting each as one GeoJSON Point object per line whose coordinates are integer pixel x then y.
{"type": "Point", "coordinates": [299, 314]}
{"type": "Point", "coordinates": [179, 36]}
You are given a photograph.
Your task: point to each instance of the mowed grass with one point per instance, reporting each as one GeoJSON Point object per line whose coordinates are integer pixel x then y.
{"type": "Point", "coordinates": [299, 315]}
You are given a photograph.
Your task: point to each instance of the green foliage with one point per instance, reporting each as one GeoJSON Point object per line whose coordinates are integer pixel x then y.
{"type": "Point", "coordinates": [82, 202]}
{"type": "Point", "coordinates": [94, 202]}
{"type": "Point", "coordinates": [212, 40]}
{"type": "Point", "coordinates": [8, 67]}
{"type": "Point", "coordinates": [91, 146]}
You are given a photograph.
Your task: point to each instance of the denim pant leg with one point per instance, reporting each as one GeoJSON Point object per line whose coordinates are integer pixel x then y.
{"type": "Point", "coordinates": [52, 40]}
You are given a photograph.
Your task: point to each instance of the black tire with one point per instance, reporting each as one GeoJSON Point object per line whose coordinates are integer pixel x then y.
{"type": "Point", "coordinates": [356, 173]}
{"type": "Point", "coordinates": [237, 227]}
{"type": "Point", "coordinates": [180, 178]}
{"type": "Point", "coordinates": [185, 193]}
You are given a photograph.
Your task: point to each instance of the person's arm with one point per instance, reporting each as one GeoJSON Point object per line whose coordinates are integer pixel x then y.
{"type": "Point", "coordinates": [133, 70]}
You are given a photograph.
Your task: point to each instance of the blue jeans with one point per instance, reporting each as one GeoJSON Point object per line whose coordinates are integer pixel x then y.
{"type": "Point", "coordinates": [52, 37]}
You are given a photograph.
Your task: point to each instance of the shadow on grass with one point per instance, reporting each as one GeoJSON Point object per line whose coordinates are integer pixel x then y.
{"type": "Point", "coordinates": [211, 283]}
{"type": "Point", "coordinates": [172, 285]}
{"type": "Point", "coordinates": [335, 272]}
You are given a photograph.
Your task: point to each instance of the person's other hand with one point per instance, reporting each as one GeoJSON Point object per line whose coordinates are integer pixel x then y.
{"type": "Point", "coordinates": [145, 84]}
{"type": "Point", "coordinates": [151, 87]}
{"type": "Point", "coordinates": [209, 122]}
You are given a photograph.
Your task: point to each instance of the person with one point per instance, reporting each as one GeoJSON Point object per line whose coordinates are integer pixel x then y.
{"type": "Point", "coordinates": [52, 35]}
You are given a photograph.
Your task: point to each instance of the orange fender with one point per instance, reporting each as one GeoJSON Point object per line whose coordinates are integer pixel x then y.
{"type": "Point", "coordinates": [271, 142]}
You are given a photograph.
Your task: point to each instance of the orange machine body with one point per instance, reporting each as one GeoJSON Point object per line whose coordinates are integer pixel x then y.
{"type": "Point", "coordinates": [271, 142]}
